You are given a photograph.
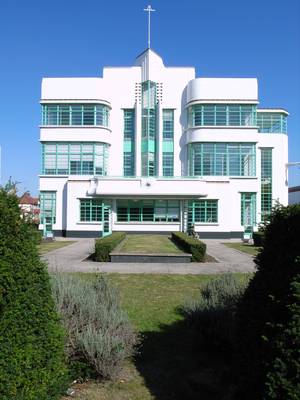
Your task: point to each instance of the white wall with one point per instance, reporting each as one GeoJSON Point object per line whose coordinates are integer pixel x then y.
{"type": "Point", "coordinates": [239, 89]}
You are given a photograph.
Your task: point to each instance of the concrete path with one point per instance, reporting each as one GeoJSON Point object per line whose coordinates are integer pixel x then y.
{"type": "Point", "coordinates": [72, 259]}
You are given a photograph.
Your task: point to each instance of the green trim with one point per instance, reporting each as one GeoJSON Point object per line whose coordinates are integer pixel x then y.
{"type": "Point", "coordinates": [75, 114]}
{"type": "Point", "coordinates": [74, 158]}
{"type": "Point", "coordinates": [269, 122]}
{"type": "Point", "coordinates": [47, 210]}
{"type": "Point", "coordinates": [222, 115]}
{"type": "Point", "coordinates": [222, 159]}
{"type": "Point", "coordinates": [148, 211]}
{"type": "Point", "coordinates": [202, 211]}
{"type": "Point", "coordinates": [168, 143]}
{"type": "Point", "coordinates": [149, 127]}
{"type": "Point", "coordinates": [129, 143]}
{"type": "Point", "coordinates": [266, 183]}
{"type": "Point", "coordinates": [248, 210]}
{"type": "Point", "coordinates": [91, 210]}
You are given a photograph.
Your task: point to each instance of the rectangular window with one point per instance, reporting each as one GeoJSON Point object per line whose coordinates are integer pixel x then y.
{"type": "Point", "coordinates": [75, 158]}
{"type": "Point", "coordinates": [168, 143]}
{"type": "Point", "coordinates": [148, 211]}
{"type": "Point", "coordinates": [222, 115]}
{"type": "Point", "coordinates": [149, 128]}
{"type": "Point", "coordinates": [248, 209]}
{"type": "Point", "coordinates": [266, 183]}
{"type": "Point", "coordinates": [129, 143]}
{"type": "Point", "coordinates": [75, 114]}
{"type": "Point", "coordinates": [48, 207]}
{"type": "Point", "coordinates": [91, 210]}
{"type": "Point", "coordinates": [269, 122]}
{"type": "Point", "coordinates": [203, 211]}
{"type": "Point", "coordinates": [168, 162]}
{"type": "Point", "coordinates": [223, 159]}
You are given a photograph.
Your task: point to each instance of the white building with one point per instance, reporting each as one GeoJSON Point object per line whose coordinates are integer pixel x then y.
{"type": "Point", "coordinates": [150, 148]}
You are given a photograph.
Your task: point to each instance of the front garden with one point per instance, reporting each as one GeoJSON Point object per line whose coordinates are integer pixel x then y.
{"type": "Point", "coordinates": [149, 337]}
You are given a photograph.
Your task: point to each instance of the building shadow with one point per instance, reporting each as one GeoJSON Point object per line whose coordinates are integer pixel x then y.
{"type": "Point", "coordinates": [176, 364]}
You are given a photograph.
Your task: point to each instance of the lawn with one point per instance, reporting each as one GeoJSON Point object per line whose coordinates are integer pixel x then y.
{"type": "Point", "coordinates": [245, 248]}
{"type": "Point", "coordinates": [148, 244]}
{"type": "Point", "coordinates": [171, 362]}
{"type": "Point", "coordinates": [45, 247]}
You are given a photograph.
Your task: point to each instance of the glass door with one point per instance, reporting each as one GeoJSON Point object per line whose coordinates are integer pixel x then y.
{"type": "Point", "coordinates": [106, 220]}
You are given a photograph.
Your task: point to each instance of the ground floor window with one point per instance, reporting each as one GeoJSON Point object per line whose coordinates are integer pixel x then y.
{"type": "Point", "coordinates": [91, 210]}
{"type": "Point", "coordinates": [248, 209]}
{"type": "Point", "coordinates": [204, 211]}
{"type": "Point", "coordinates": [48, 207]}
{"type": "Point", "coordinates": [148, 211]}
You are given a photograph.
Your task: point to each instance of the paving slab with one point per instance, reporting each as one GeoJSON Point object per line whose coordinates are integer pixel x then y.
{"type": "Point", "coordinates": [72, 258]}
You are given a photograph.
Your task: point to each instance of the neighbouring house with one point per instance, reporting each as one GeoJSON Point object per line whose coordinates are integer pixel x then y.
{"type": "Point", "coordinates": [30, 207]}
{"type": "Point", "coordinates": [294, 195]}
{"type": "Point", "coordinates": [153, 148]}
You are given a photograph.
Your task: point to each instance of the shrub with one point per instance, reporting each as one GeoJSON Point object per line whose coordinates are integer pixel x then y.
{"type": "Point", "coordinates": [99, 333]}
{"type": "Point", "coordinates": [264, 307]}
{"type": "Point", "coordinates": [258, 238]}
{"type": "Point", "coordinates": [214, 312]}
{"type": "Point", "coordinates": [105, 245]}
{"type": "Point", "coordinates": [283, 380]}
{"type": "Point", "coordinates": [190, 245]}
{"type": "Point", "coordinates": [32, 361]}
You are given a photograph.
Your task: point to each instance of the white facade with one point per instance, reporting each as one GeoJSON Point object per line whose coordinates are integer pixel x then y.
{"type": "Point", "coordinates": [193, 148]}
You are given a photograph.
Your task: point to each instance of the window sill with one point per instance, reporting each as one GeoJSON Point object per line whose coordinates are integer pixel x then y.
{"type": "Point", "coordinates": [206, 224]}
{"type": "Point", "coordinates": [89, 223]}
{"type": "Point", "coordinates": [146, 223]}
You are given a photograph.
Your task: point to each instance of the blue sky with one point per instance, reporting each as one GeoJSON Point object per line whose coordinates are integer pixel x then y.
{"type": "Point", "coordinates": [232, 38]}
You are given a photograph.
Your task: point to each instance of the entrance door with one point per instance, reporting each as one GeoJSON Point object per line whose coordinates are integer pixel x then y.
{"type": "Point", "coordinates": [106, 220]}
{"type": "Point", "coordinates": [48, 227]}
{"type": "Point", "coordinates": [248, 213]}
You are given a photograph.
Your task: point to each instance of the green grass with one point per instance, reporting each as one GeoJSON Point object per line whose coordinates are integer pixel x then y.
{"type": "Point", "coordinates": [169, 365]}
{"type": "Point", "coordinates": [245, 248]}
{"type": "Point", "coordinates": [45, 247]}
{"type": "Point", "coordinates": [148, 244]}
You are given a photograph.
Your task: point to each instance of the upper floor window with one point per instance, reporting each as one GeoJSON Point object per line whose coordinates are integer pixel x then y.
{"type": "Point", "coordinates": [75, 114]}
{"type": "Point", "coordinates": [222, 115]}
{"type": "Point", "coordinates": [269, 122]}
{"type": "Point", "coordinates": [74, 158]}
{"type": "Point", "coordinates": [223, 159]}
{"type": "Point", "coordinates": [168, 124]}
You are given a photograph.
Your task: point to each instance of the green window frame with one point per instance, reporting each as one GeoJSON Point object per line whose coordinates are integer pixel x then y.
{"type": "Point", "coordinates": [248, 209]}
{"type": "Point", "coordinates": [91, 210]}
{"type": "Point", "coordinates": [221, 115]}
{"type": "Point", "coordinates": [168, 163]}
{"type": "Point", "coordinates": [148, 211]}
{"type": "Point", "coordinates": [269, 122]}
{"type": "Point", "coordinates": [266, 183]}
{"type": "Point", "coordinates": [74, 158]}
{"type": "Point", "coordinates": [149, 128]}
{"type": "Point", "coordinates": [168, 124]}
{"type": "Point", "coordinates": [222, 159]}
{"type": "Point", "coordinates": [47, 207]}
{"type": "Point", "coordinates": [202, 211]}
{"type": "Point", "coordinates": [168, 142]}
{"type": "Point", "coordinates": [75, 114]}
{"type": "Point", "coordinates": [129, 143]}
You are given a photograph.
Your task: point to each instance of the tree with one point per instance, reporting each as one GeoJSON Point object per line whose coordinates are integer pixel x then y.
{"type": "Point", "coordinates": [32, 365]}
{"type": "Point", "coordinates": [265, 310]}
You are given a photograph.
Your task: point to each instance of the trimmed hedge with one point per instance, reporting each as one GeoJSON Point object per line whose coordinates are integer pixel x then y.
{"type": "Point", "coordinates": [105, 245]}
{"type": "Point", "coordinates": [258, 238]}
{"type": "Point", "coordinates": [190, 245]}
{"type": "Point", "coordinates": [32, 360]}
